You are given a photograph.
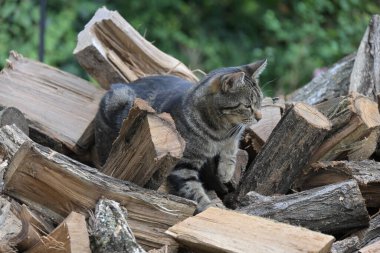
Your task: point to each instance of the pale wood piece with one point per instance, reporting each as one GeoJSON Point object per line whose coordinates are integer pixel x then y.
{"type": "Point", "coordinates": [62, 185]}
{"type": "Point", "coordinates": [333, 83]}
{"type": "Point", "coordinates": [57, 105]}
{"type": "Point", "coordinates": [366, 173]}
{"type": "Point", "coordinates": [112, 51]}
{"type": "Point", "coordinates": [332, 209]}
{"type": "Point", "coordinates": [287, 151]}
{"type": "Point", "coordinates": [372, 248]}
{"type": "Point", "coordinates": [146, 149]}
{"type": "Point", "coordinates": [70, 236]}
{"type": "Point", "coordinates": [218, 230]}
{"type": "Point", "coordinates": [110, 231]}
{"type": "Point", "coordinates": [271, 115]}
{"type": "Point", "coordinates": [12, 115]}
{"type": "Point", "coordinates": [355, 128]}
{"type": "Point", "coordinates": [365, 76]}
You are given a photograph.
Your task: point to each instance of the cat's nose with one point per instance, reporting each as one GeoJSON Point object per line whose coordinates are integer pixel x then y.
{"type": "Point", "coordinates": [257, 115]}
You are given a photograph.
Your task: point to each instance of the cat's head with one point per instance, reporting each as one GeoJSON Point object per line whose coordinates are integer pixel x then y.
{"type": "Point", "coordinates": [234, 93]}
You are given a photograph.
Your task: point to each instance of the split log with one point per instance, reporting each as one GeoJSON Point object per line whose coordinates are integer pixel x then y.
{"type": "Point", "coordinates": [70, 236]}
{"type": "Point", "coordinates": [61, 185]}
{"type": "Point", "coordinates": [110, 231]}
{"type": "Point", "coordinates": [10, 116]}
{"type": "Point", "coordinates": [366, 173]}
{"type": "Point", "coordinates": [330, 209]}
{"type": "Point", "coordinates": [365, 76]}
{"type": "Point", "coordinates": [112, 51]}
{"type": "Point", "coordinates": [355, 128]}
{"type": "Point", "coordinates": [207, 232]}
{"type": "Point", "coordinates": [287, 151]}
{"type": "Point", "coordinates": [348, 245]}
{"type": "Point", "coordinates": [146, 149]}
{"type": "Point", "coordinates": [331, 84]}
{"type": "Point", "coordinates": [60, 105]}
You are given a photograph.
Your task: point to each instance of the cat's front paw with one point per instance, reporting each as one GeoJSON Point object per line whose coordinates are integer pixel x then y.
{"type": "Point", "coordinates": [225, 172]}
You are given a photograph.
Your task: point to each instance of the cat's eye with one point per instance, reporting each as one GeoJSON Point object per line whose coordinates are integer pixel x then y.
{"type": "Point", "coordinates": [247, 106]}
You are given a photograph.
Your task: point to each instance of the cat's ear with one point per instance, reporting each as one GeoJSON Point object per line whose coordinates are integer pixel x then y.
{"type": "Point", "coordinates": [230, 82]}
{"type": "Point", "coordinates": [255, 69]}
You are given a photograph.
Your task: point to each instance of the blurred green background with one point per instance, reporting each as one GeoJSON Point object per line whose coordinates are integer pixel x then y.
{"type": "Point", "coordinates": [297, 37]}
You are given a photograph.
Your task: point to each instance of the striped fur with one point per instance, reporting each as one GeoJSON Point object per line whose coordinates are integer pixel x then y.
{"type": "Point", "coordinates": [210, 117]}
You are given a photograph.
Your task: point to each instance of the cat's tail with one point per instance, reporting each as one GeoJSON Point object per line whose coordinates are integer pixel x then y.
{"type": "Point", "coordinates": [113, 109]}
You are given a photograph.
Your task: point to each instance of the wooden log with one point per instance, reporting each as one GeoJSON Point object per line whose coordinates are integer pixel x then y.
{"type": "Point", "coordinates": [365, 76]}
{"type": "Point", "coordinates": [10, 116]}
{"type": "Point", "coordinates": [331, 84]}
{"type": "Point", "coordinates": [330, 209]}
{"type": "Point", "coordinates": [287, 151]}
{"type": "Point", "coordinates": [112, 51]}
{"type": "Point", "coordinates": [366, 173]}
{"type": "Point", "coordinates": [62, 185]}
{"type": "Point", "coordinates": [59, 105]}
{"type": "Point", "coordinates": [70, 236]}
{"type": "Point", "coordinates": [147, 148]}
{"type": "Point", "coordinates": [110, 231]}
{"type": "Point", "coordinates": [355, 128]}
{"type": "Point", "coordinates": [218, 230]}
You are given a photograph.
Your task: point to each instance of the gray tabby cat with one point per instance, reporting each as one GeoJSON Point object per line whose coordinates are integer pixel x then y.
{"type": "Point", "coordinates": [210, 117]}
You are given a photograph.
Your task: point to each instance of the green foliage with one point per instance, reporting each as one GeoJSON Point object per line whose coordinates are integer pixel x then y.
{"type": "Point", "coordinates": [296, 36]}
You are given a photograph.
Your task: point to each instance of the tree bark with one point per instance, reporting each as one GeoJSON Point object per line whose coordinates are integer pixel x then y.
{"type": "Point", "coordinates": [112, 51]}
{"type": "Point", "coordinates": [146, 149]}
{"type": "Point", "coordinates": [366, 173]}
{"type": "Point", "coordinates": [331, 209]}
{"type": "Point", "coordinates": [287, 151]}
{"type": "Point", "coordinates": [218, 230]}
{"type": "Point", "coordinates": [62, 185]}
{"type": "Point", "coordinates": [110, 231]}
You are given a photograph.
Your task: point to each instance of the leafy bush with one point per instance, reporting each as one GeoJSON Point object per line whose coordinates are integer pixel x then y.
{"type": "Point", "coordinates": [296, 36]}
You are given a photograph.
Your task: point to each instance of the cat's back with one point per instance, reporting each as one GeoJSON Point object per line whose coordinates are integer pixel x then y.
{"type": "Point", "coordinates": [161, 92]}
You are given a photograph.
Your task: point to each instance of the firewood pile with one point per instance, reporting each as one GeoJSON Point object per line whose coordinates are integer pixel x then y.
{"type": "Point", "coordinates": [307, 177]}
